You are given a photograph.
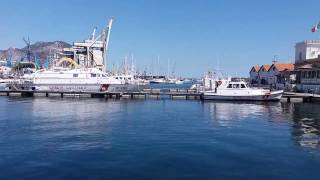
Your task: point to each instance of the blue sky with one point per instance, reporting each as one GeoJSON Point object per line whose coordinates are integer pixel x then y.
{"type": "Point", "coordinates": [195, 34]}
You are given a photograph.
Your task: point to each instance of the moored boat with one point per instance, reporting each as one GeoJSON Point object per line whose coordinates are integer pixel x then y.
{"type": "Point", "coordinates": [72, 80]}
{"type": "Point", "coordinates": [226, 89]}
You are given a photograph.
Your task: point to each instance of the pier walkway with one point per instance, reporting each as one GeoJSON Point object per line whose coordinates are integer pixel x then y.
{"type": "Point", "coordinates": [147, 93]}
{"type": "Point", "coordinates": [306, 97]}
{"type": "Point", "coordinates": [187, 94]}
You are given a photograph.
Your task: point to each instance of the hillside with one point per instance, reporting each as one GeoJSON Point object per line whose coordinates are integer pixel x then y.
{"type": "Point", "coordinates": [39, 49]}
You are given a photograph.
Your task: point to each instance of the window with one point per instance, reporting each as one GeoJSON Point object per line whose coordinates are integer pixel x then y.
{"type": "Point", "coordinates": [235, 86]}
{"type": "Point", "coordinates": [104, 75]}
{"type": "Point", "coordinates": [75, 75]}
{"type": "Point", "coordinates": [229, 86]}
{"type": "Point", "coordinates": [243, 86]}
{"type": "Point", "coordinates": [318, 74]}
{"type": "Point", "coordinates": [313, 74]}
{"type": "Point", "coordinates": [93, 75]}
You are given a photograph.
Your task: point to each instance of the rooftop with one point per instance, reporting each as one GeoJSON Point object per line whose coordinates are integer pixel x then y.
{"type": "Point", "coordinates": [284, 67]}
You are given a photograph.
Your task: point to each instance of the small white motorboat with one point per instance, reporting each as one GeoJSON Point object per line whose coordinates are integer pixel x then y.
{"type": "Point", "coordinates": [225, 89]}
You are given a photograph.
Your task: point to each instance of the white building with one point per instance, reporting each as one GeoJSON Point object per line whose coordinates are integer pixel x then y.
{"type": "Point", "coordinates": [305, 50]}
{"type": "Point", "coordinates": [308, 66]}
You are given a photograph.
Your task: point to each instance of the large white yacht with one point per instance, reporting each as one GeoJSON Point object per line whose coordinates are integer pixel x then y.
{"type": "Point", "coordinates": [226, 89]}
{"type": "Point", "coordinates": [73, 80]}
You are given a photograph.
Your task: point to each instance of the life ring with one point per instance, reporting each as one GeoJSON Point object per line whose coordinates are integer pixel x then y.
{"type": "Point", "coordinates": [104, 87]}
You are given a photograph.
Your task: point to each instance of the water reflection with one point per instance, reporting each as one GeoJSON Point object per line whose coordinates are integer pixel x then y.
{"type": "Point", "coordinates": [77, 121]}
{"type": "Point", "coordinates": [306, 125]}
{"type": "Point", "coordinates": [231, 113]}
{"type": "Point", "coordinates": [303, 120]}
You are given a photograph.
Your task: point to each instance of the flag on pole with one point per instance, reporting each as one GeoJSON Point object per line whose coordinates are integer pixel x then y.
{"type": "Point", "coordinates": [316, 27]}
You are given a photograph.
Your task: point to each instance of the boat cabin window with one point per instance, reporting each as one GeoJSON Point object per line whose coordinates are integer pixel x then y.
{"type": "Point", "coordinates": [243, 86]}
{"type": "Point", "coordinates": [104, 75]}
{"type": "Point", "coordinates": [235, 86]}
{"type": "Point", "coordinates": [75, 75]}
{"type": "Point", "coordinates": [129, 78]}
{"type": "Point", "coordinates": [229, 86]}
{"type": "Point", "coordinates": [93, 75]}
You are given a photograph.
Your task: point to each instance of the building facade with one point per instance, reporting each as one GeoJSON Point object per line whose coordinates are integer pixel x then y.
{"type": "Point", "coordinates": [307, 66]}
{"type": "Point", "coordinates": [254, 75]}
{"type": "Point", "coordinates": [305, 50]}
{"type": "Point", "coordinates": [308, 75]}
{"type": "Point", "coordinates": [273, 75]}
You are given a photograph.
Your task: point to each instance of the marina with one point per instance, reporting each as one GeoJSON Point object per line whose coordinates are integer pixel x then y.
{"type": "Point", "coordinates": [69, 137]}
{"type": "Point", "coordinates": [159, 90]}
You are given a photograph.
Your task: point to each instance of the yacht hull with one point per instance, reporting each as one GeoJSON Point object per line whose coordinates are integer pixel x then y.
{"type": "Point", "coordinates": [80, 87]}
{"type": "Point", "coordinates": [273, 96]}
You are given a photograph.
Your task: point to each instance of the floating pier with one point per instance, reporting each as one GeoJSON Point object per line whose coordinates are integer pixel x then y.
{"type": "Point", "coordinates": [187, 94]}
{"type": "Point", "coordinates": [148, 93]}
{"type": "Point", "coordinates": [305, 97]}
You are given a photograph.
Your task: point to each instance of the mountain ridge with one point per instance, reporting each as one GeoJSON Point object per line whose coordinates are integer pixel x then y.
{"type": "Point", "coordinates": [40, 49]}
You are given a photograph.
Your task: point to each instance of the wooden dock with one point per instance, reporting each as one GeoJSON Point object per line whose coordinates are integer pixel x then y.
{"type": "Point", "coordinates": [187, 94]}
{"type": "Point", "coordinates": [147, 93]}
{"type": "Point", "coordinates": [306, 97]}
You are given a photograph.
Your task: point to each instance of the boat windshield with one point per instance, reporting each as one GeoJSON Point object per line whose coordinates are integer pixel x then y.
{"type": "Point", "coordinates": [237, 85]}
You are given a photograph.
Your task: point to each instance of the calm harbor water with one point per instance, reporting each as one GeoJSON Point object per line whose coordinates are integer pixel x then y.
{"type": "Point", "coordinates": [53, 138]}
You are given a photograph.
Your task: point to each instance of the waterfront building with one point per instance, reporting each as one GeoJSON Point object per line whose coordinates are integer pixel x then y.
{"type": "Point", "coordinates": [276, 75]}
{"type": "Point", "coordinates": [308, 75]}
{"type": "Point", "coordinates": [307, 66]}
{"type": "Point", "coordinates": [254, 75]}
{"type": "Point", "coordinates": [264, 74]}
{"type": "Point", "coordinates": [309, 49]}
{"type": "Point", "coordinates": [281, 76]}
